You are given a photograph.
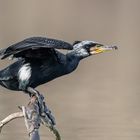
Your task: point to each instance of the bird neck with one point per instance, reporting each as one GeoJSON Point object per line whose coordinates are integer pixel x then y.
{"type": "Point", "coordinates": [72, 61]}
{"type": "Point", "coordinates": [78, 53]}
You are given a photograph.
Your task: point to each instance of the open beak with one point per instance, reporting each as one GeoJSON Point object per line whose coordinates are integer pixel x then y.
{"type": "Point", "coordinates": [99, 48]}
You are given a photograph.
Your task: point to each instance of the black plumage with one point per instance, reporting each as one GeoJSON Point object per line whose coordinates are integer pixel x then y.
{"type": "Point", "coordinates": [39, 61]}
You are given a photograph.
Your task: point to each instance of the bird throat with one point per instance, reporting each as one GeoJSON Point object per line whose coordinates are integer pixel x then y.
{"type": "Point", "coordinates": [80, 53]}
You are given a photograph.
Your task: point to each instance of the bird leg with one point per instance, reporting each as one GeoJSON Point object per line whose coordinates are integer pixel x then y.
{"type": "Point", "coordinates": [32, 92]}
{"type": "Point", "coordinates": [44, 110]}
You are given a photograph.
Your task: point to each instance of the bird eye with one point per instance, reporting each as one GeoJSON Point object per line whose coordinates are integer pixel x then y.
{"type": "Point", "coordinates": [89, 45]}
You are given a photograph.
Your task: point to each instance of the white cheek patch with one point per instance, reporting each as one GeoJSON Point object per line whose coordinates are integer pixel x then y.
{"type": "Point", "coordinates": [24, 72]}
{"type": "Point", "coordinates": [83, 52]}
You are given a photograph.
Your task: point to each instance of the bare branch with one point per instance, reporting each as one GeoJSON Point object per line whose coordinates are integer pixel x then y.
{"type": "Point", "coordinates": [10, 118]}
{"type": "Point", "coordinates": [34, 114]}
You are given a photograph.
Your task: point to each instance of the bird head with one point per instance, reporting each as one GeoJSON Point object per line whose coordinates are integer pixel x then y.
{"type": "Point", "coordinates": [86, 48]}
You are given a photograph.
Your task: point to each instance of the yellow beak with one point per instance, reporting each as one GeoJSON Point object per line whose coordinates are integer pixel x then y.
{"type": "Point", "coordinates": [101, 48]}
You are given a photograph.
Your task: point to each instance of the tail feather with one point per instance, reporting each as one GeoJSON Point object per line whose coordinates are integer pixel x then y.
{"type": "Point", "coordinates": [2, 51]}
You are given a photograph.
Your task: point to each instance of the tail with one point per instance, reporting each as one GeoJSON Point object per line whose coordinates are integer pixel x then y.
{"type": "Point", "coordinates": [2, 84]}
{"type": "Point", "coordinates": [2, 51]}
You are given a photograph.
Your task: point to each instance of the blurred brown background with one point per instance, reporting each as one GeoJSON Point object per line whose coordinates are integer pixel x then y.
{"type": "Point", "coordinates": [101, 99]}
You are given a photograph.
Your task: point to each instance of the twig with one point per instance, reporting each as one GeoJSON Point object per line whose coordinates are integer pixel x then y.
{"type": "Point", "coordinates": [10, 118]}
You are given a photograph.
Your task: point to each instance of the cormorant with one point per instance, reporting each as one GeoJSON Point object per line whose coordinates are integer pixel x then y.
{"type": "Point", "coordinates": [40, 61]}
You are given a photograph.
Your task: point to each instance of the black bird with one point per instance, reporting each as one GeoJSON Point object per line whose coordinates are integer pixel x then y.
{"type": "Point", "coordinates": [39, 61]}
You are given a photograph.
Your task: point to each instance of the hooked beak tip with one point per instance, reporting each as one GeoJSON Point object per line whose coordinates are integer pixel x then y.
{"type": "Point", "coordinates": [115, 47]}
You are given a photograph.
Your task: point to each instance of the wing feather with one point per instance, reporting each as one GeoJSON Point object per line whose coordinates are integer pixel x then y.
{"type": "Point", "coordinates": [28, 45]}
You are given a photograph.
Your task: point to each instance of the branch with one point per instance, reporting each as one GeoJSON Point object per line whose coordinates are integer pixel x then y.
{"type": "Point", "coordinates": [10, 118]}
{"type": "Point", "coordinates": [35, 113]}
